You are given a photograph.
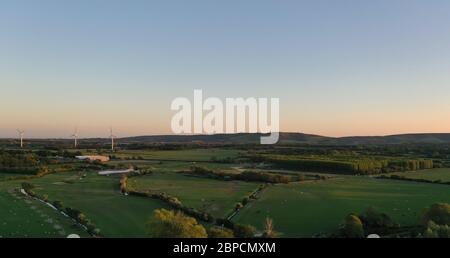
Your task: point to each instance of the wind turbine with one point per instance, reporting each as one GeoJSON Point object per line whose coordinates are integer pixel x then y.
{"type": "Point", "coordinates": [75, 137]}
{"type": "Point", "coordinates": [21, 133]}
{"type": "Point", "coordinates": [112, 138]}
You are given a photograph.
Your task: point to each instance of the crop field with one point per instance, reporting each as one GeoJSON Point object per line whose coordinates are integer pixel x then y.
{"type": "Point", "coordinates": [24, 217]}
{"type": "Point", "coordinates": [308, 208]}
{"type": "Point", "coordinates": [442, 174]}
{"type": "Point", "coordinates": [100, 200]}
{"type": "Point", "coordinates": [213, 196]}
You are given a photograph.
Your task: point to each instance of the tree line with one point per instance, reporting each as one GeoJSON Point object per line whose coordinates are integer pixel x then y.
{"type": "Point", "coordinates": [351, 166]}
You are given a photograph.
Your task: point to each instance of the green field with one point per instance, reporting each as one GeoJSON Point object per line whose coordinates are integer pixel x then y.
{"type": "Point", "coordinates": [442, 174]}
{"type": "Point", "coordinates": [213, 196]}
{"type": "Point", "coordinates": [4, 176]}
{"type": "Point", "coordinates": [298, 209]}
{"type": "Point", "coordinates": [305, 209]}
{"type": "Point", "coordinates": [21, 216]}
{"type": "Point", "coordinates": [180, 155]}
{"type": "Point", "coordinates": [169, 166]}
{"type": "Point", "coordinates": [100, 200]}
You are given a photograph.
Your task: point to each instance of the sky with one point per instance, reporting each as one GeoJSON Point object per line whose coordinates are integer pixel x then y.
{"type": "Point", "coordinates": [339, 68]}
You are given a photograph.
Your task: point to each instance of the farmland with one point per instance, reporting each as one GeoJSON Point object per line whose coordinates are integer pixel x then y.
{"type": "Point", "coordinates": [316, 205]}
{"type": "Point", "coordinates": [212, 196]}
{"type": "Point", "coordinates": [98, 197]}
{"type": "Point", "coordinates": [192, 155]}
{"type": "Point", "coordinates": [25, 217]}
{"type": "Point", "coordinates": [438, 174]}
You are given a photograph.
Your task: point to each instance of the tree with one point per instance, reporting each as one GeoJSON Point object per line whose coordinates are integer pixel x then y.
{"type": "Point", "coordinates": [375, 221]}
{"type": "Point", "coordinates": [170, 224]}
{"type": "Point", "coordinates": [437, 231]}
{"type": "Point", "coordinates": [439, 213]}
{"type": "Point", "coordinates": [244, 231]}
{"type": "Point", "coordinates": [353, 227]}
{"type": "Point", "coordinates": [269, 231]}
{"type": "Point", "coordinates": [218, 232]}
{"type": "Point", "coordinates": [58, 205]}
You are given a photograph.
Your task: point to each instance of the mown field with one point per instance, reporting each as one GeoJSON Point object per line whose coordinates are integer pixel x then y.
{"type": "Point", "coordinates": [212, 196]}
{"type": "Point", "coordinates": [100, 200]}
{"type": "Point", "coordinates": [442, 174]}
{"type": "Point", "coordinates": [305, 209]}
{"type": "Point", "coordinates": [24, 217]}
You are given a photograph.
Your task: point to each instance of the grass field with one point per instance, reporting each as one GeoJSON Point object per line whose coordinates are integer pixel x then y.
{"type": "Point", "coordinates": [442, 174]}
{"type": "Point", "coordinates": [213, 196]}
{"type": "Point", "coordinates": [298, 209]}
{"type": "Point", "coordinates": [305, 209]}
{"type": "Point", "coordinates": [21, 216]}
{"type": "Point", "coordinates": [169, 166]}
{"type": "Point", "coordinates": [180, 155]}
{"type": "Point", "coordinates": [100, 200]}
{"type": "Point", "coordinates": [8, 175]}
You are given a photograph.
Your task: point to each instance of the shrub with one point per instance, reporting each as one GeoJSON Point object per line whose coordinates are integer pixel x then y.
{"type": "Point", "coordinates": [218, 232]}
{"type": "Point", "coordinates": [439, 213]}
{"type": "Point", "coordinates": [58, 205]}
{"type": "Point", "coordinates": [244, 231]}
{"type": "Point", "coordinates": [170, 224]}
{"type": "Point", "coordinates": [437, 231]}
{"type": "Point", "coordinates": [375, 221]}
{"type": "Point", "coordinates": [353, 227]}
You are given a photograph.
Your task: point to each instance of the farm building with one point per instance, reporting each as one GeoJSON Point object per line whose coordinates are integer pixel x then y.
{"type": "Point", "coordinates": [93, 158]}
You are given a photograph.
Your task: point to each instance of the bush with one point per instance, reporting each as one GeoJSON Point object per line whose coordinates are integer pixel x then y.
{"type": "Point", "coordinates": [58, 205]}
{"type": "Point", "coordinates": [439, 213]}
{"type": "Point", "coordinates": [218, 232]}
{"type": "Point", "coordinates": [437, 231]}
{"type": "Point", "coordinates": [27, 186]}
{"type": "Point", "coordinates": [244, 231]}
{"type": "Point", "coordinates": [170, 224]}
{"type": "Point", "coordinates": [375, 221]}
{"type": "Point", "coordinates": [353, 227]}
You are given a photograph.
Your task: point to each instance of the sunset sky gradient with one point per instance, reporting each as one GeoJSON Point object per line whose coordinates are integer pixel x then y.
{"type": "Point", "coordinates": [339, 67]}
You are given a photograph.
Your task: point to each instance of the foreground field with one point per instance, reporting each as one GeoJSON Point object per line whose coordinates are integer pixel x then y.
{"type": "Point", "coordinates": [99, 199]}
{"type": "Point", "coordinates": [213, 196]}
{"type": "Point", "coordinates": [442, 174]}
{"type": "Point", "coordinates": [309, 208]}
{"type": "Point", "coordinates": [25, 217]}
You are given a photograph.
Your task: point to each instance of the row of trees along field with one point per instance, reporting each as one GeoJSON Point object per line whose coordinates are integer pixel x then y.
{"type": "Point", "coordinates": [17, 159]}
{"type": "Point", "coordinates": [17, 162]}
{"type": "Point", "coordinates": [351, 166]}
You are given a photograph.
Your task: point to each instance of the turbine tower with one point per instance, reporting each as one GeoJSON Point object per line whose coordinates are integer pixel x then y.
{"type": "Point", "coordinates": [21, 133]}
{"type": "Point", "coordinates": [75, 137]}
{"type": "Point", "coordinates": [112, 138]}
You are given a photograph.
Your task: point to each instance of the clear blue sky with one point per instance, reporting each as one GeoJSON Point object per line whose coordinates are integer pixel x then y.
{"type": "Point", "coordinates": [338, 67]}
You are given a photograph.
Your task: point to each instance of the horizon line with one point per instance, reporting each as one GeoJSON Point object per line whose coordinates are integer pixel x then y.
{"type": "Point", "coordinates": [181, 135]}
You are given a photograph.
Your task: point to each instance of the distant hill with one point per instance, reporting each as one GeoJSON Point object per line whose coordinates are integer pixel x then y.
{"type": "Point", "coordinates": [296, 138]}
